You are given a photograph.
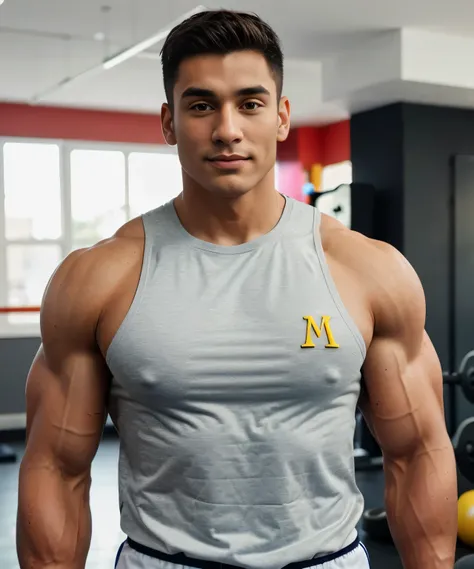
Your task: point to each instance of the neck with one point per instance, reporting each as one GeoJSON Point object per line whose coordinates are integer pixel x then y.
{"type": "Point", "coordinates": [229, 221]}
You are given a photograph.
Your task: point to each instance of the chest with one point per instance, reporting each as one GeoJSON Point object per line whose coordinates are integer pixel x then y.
{"type": "Point", "coordinates": [238, 332]}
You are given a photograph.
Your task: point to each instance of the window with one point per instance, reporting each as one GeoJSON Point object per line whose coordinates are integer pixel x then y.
{"type": "Point", "coordinates": [59, 196]}
{"type": "Point", "coordinates": [154, 179]}
{"type": "Point", "coordinates": [32, 224]}
{"type": "Point", "coordinates": [29, 268]}
{"type": "Point", "coordinates": [98, 202]}
{"type": "Point", "coordinates": [32, 191]}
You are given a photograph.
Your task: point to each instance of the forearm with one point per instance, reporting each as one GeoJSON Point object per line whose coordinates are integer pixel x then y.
{"type": "Point", "coordinates": [421, 505]}
{"type": "Point", "coordinates": [54, 520]}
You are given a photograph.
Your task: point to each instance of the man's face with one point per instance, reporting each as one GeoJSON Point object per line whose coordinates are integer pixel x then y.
{"type": "Point", "coordinates": [226, 122]}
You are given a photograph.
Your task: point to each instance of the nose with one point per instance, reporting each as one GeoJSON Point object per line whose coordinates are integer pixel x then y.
{"type": "Point", "coordinates": [227, 129]}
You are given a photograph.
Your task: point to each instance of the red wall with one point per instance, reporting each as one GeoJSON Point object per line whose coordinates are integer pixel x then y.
{"type": "Point", "coordinates": [288, 151]}
{"type": "Point", "coordinates": [309, 149]}
{"type": "Point", "coordinates": [79, 124]}
{"type": "Point", "coordinates": [317, 145]}
{"type": "Point", "coordinates": [336, 141]}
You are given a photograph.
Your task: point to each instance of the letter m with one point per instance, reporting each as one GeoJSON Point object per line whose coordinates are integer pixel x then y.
{"type": "Point", "coordinates": [312, 326]}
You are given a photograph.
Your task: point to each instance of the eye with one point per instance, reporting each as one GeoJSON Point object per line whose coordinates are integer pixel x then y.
{"type": "Point", "coordinates": [251, 106]}
{"type": "Point", "coordinates": [201, 107]}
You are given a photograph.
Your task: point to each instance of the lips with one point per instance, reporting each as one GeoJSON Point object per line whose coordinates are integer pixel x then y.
{"type": "Point", "coordinates": [227, 158]}
{"type": "Point", "coordinates": [228, 162]}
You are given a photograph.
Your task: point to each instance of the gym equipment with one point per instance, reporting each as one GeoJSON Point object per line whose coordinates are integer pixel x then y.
{"type": "Point", "coordinates": [466, 562]}
{"type": "Point", "coordinates": [464, 377]}
{"type": "Point", "coordinates": [463, 443]}
{"type": "Point", "coordinates": [375, 524]}
{"type": "Point", "coordinates": [337, 203]}
{"type": "Point", "coordinates": [466, 518]}
{"type": "Point", "coordinates": [352, 204]}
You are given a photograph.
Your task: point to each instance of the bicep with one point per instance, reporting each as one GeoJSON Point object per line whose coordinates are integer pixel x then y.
{"type": "Point", "coordinates": [67, 384]}
{"type": "Point", "coordinates": [66, 409]}
{"type": "Point", "coordinates": [402, 398]}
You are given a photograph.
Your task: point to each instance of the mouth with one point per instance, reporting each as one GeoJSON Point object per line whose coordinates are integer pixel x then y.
{"type": "Point", "coordinates": [232, 162]}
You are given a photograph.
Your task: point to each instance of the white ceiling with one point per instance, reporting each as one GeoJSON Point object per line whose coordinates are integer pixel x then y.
{"type": "Point", "coordinates": [44, 41]}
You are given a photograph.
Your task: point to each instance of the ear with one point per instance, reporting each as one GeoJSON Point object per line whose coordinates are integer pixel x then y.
{"type": "Point", "coordinates": [167, 125]}
{"type": "Point", "coordinates": [283, 119]}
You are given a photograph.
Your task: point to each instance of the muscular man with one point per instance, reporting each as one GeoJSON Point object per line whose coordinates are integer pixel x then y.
{"type": "Point", "coordinates": [225, 333]}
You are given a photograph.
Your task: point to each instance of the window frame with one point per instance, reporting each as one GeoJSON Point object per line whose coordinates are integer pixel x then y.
{"type": "Point", "coordinates": [7, 329]}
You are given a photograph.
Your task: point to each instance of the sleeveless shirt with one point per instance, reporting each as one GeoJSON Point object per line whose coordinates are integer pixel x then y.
{"type": "Point", "coordinates": [236, 375]}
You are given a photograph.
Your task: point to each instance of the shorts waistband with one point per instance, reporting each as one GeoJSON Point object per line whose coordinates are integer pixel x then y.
{"type": "Point", "coordinates": [182, 559]}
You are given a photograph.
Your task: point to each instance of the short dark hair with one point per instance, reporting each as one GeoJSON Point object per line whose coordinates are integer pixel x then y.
{"type": "Point", "coordinates": [219, 32]}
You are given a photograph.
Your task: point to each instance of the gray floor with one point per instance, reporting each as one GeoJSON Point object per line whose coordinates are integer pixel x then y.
{"type": "Point", "coordinates": [107, 535]}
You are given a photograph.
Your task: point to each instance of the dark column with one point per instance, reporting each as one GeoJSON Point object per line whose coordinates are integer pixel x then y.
{"type": "Point", "coordinates": [463, 265]}
{"type": "Point", "coordinates": [377, 158]}
{"type": "Point", "coordinates": [408, 152]}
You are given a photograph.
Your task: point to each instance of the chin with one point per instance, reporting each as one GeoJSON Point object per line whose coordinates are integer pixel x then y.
{"type": "Point", "coordinates": [230, 190]}
{"type": "Point", "coordinates": [230, 185]}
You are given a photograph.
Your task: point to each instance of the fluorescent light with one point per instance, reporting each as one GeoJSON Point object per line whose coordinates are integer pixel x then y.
{"type": "Point", "coordinates": [63, 83]}
{"type": "Point", "coordinates": [145, 44]}
{"type": "Point", "coordinates": [116, 59]}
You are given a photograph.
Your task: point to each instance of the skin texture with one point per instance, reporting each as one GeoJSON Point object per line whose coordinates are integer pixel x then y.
{"type": "Point", "coordinates": [402, 398]}
{"type": "Point", "coordinates": [232, 206]}
{"type": "Point", "coordinates": [91, 292]}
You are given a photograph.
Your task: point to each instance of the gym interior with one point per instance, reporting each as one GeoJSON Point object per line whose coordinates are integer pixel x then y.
{"type": "Point", "coordinates": [382, 138]}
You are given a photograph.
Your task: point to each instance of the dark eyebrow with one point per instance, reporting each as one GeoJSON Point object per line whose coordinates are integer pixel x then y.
{"type": "Point", "coordinates": [249, 91]}
{"type": "Point", "coordinates": [245, 92]}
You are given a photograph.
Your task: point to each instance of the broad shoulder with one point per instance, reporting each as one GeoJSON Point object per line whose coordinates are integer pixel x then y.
{"type": "Point", "coordinates": [85, 280]}
{"type": "Point", "coordinates": [393, 288]}
{"type": "Point", "coordinates": [357, 251]}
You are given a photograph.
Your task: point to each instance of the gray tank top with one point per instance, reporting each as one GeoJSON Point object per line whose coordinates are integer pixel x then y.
{"type": "Point", "coordinates": [236, 374]}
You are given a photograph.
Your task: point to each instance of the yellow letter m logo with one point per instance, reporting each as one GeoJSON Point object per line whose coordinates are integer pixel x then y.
{"type": "Point", "coordinates": [311, 325]}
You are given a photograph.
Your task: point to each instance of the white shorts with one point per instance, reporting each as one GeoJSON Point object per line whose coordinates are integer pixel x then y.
{"type": "Point", "coordinates": [352, 557]}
